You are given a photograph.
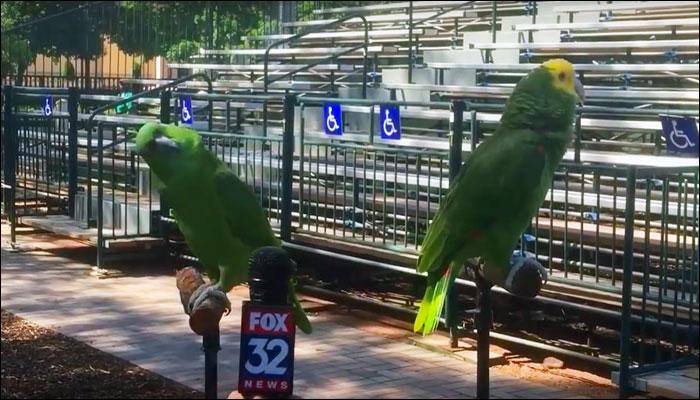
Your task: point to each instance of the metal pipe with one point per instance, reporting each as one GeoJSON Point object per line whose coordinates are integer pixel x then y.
{"type": "Point", "coordinates": [577, 140]}
{"type": "Point", "coordinates": [73, 98]}
{"type": "Point", "coordinates": [345, 298]}
{"type": "Point", "coordinates": [211, 346]}
{"type": "Point", "coordinates": [482, 340]}
{"type": "Point", "coordinates": [612, 315]}
{"type": "Point", "coordinates": [100, 195]}
{"type": "Point", "coordinates": [410, 42]}
{"type": "Point", "coordinates": [625, 328]}
{"type": "Point", "coordinates": [290, 102]}
{"type": "Point", "coordinates": [10, 167]}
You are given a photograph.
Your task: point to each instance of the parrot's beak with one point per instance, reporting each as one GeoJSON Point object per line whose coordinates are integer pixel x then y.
{"type": "Point", "coordinates": [165, 143]}
{"type": "Point", "coordinates": [580, 92]}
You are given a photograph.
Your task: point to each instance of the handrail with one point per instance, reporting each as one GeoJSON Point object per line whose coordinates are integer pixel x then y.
{"type": "Point", "coordinates": [299, 35]}
{"type": "Point", "coordinates": [156, 89]}
{"type": "Point", "coordinates": [100, 148]}
{"type": "Point", "coordinates": [411, 24]}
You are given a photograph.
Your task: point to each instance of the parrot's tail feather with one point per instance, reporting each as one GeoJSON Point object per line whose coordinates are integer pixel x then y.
{"type": "Point", "coordinates": [431, 307]}
{"type": "Point", "coordinates": [300, 318]}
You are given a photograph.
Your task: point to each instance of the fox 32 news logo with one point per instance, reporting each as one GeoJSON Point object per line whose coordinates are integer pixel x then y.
{"type": "Point", "coordinates": [267, 350]}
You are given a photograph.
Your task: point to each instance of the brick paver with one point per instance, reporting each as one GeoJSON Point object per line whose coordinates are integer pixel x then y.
{"type": "Point", "coordinates": [140, 319]}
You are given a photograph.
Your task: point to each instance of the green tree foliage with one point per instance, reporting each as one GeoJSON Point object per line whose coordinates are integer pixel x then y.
{"type": "Point", "coordinates": [174, 29]}
{"type": "Point", "coordinates": [74, 34]}
{"type": "Point", "coordinates": [177, 30]}
{"type": "Point", "coordinates": [16, 53]}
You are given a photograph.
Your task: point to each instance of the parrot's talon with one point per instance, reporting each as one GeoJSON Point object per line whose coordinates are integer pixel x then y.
{"type": "Point", "coordinates": [206, 306]}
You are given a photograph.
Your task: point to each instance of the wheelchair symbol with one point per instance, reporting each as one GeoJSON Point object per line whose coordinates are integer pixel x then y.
{"type": "Point", "coordinates": [388, 125]}
{"type": "Point", "coordinates": [679, 134]}
{"type": "Point", "coordinates": [186, 117]}
{"type": "Point", "coordinates": [47, 107]}
{"type": "Point", "coordinates": [331, 123]}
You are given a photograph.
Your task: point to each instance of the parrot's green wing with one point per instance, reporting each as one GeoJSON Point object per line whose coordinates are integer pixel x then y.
{"type": "Point", "coordinates": [242, 211]}
{"type": "Point", "coordinates": [245, 217]}
{"type": "Point", "coordinates": [485, 191]}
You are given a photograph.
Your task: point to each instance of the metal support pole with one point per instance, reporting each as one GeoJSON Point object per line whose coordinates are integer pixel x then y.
{"type": "Point", "coordinates": [365, 48]}
{"type": "Point", "coordinates": [165, 110]}
{"type": "Point", "coordinates": [211, 346]}
{"type": "Point", "coordinates": [482, 339]}
{"type": "Point", "coordinates": [494, 9]}
{"type": "Point", "coordinates": [100, 194]}
{"type": "Point", "coordinates": [10, 178]}
{"type": "Point", "coordinates": [474, 126]}
{"type": "Point", "coordinates": [290, 102]}
{"type": "Point", "coordinates": [458, 108]}
{"type": "Point", "coordinates": [165, 115]}
{"type": "Point", "coordinates": [410, 42]}
{"type": "Point", "coordinates": [228, 116]}
{"type": "Point", "coordinates": [73, 97]}
{"type": "Point", "coordinates": [627, 282]}
{"type": "Point", "coordinates": [577, 140]}
{"type": "Point", "coordinates": [265, 117]}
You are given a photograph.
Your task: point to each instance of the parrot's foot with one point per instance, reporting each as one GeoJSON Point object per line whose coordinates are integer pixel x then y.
{"type": "Point", "coordinates": [206, 306]}
{"type": "Point", "coordinates": [188, 281]}
{"type": "Point", "coordinates": [525, 277]}
{"type": "Point", "coordinates": [477, 268]}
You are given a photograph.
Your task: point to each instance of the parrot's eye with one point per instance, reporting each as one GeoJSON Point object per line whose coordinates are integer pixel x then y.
{"type": "Point", "coordinates": [562, 76]}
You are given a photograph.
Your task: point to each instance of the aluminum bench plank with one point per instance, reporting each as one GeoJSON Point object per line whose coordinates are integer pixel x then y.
{"type": "Point", "coordinates": [341, 34]}
{"type": "Point", "coordinates": [260, 67]}
{"type": "Point", "coordinates": [290, 51]}
{"type": "Point", "coordinates": [633, 44]}
{"type": "Point", "coordinates": [694, 68]}
{"type": "Point", "coordinates": [608, 25]}
{"type": "Point", "coordinates": [625, 5]}
{"type": "Point", "coordinates": [391, 6]}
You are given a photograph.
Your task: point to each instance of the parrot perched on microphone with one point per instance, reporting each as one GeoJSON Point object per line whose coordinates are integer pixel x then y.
{"type": "Point", "coordinates": [499, 189]}
{"type": "Point", "coordinates": [217, 213]}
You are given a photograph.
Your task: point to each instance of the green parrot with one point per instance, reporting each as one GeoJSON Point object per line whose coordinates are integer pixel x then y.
{"type": "Point", "coordinates": [216, 212]}
{"type": "Point", "coordinates": [499, 190]}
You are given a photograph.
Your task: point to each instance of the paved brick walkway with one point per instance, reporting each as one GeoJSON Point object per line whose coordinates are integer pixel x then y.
{"type": "Point", "coordinates": [140, 319]}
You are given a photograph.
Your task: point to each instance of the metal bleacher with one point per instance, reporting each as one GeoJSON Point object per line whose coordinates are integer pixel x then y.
{"type": "Point", "coordinates": [636, 59]}
{"type": "Point", "coordinates": [373, 199]}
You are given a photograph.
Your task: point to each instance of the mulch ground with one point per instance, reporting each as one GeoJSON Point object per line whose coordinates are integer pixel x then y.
{"type": "Point", "coordinates": [40, 363]}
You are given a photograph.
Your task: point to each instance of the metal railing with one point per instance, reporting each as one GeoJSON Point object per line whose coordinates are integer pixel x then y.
{"type": "Point", "coordinates": [660, 301]}
{"type": "Point", "coordinates": [627, 232]}
{"type": "Point", "coordinates": [40, 154]}
{"type": "Point", "coordinates": [165, 106]}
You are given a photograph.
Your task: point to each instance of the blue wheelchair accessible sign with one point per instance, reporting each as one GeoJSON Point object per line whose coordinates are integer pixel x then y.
{"type": "Point", "coordinates": [186, 115]}
{"type": "Point", "coordinates": [332, 119]}
{"type": "Point", "coordinates": [47, 106]}
{"type": "Point", "coordinates": [389, 122]}
{"type": "Point", "coordinates": [681, 134]}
